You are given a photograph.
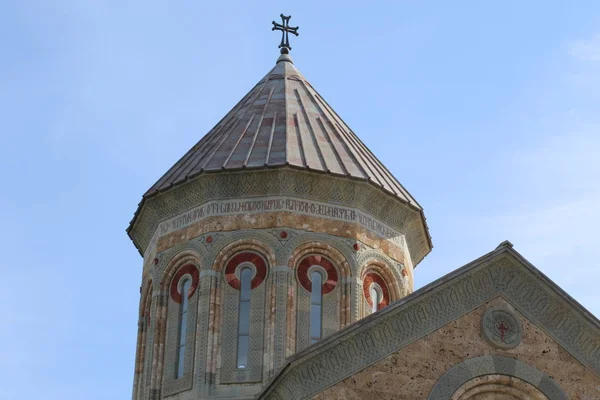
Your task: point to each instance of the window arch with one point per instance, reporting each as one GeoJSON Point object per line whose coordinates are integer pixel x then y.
{"type": "Point", "coordinates": [318, 314]}
{"type": "Point", "coordinates": [316, 305]}
{"type": "Point", "coordinates": [244, 294]}
{"type": "Point", "coordinates": [185, 285]}
{"type": "Point", "coordinates": [457, 381]}
{"type": "Point", "coordinates": [376, 296]}
{"type": "Point", "coordinates": [181, 321]}
{"type": "Point", "coordinates": [244, 317]}
{"type": "Point", "coordinates": [375, 291]}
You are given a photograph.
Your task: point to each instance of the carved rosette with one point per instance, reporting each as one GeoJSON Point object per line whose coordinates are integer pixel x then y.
{"type": "Point", "coordinates": [501, 328]}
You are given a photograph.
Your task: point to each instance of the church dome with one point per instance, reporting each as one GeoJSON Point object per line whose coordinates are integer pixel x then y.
{"type": "Point", "coordinates": [283, 121]}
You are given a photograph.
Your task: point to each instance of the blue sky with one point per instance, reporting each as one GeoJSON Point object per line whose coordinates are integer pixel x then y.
{"type": "Point", "coordinates": [488, 112]}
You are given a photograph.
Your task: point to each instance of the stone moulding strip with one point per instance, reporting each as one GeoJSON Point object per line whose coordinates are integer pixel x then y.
{"type": "Point", "coordinates": [281, 268]}
{"type": "Point", "coordinates": [502, 272]}
{"type": "Point", "coordinates": [472, 368]}
{"type": "Point", "coordinates": [287, 181]}
{"type": "Point", "coordinates": [208, 272]}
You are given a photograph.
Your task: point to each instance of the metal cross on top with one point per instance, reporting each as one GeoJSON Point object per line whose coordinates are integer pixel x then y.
{"type": "Point", "coordinates": [285, 29]}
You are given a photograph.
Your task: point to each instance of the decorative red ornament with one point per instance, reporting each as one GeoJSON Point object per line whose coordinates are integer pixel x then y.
{"type": "Point", "coordinates": [283, 234]}
{"type": "Point", "coordinates": [356, 246]}
{"type": "Point", "coordinates": [369, 279]}
{"type": "Point", "coordinates": [503, 328]}
{"type": "Point", "coordinates": [404, 273]}
{"type": "Point", "coordinates": [308, 262]}
{"type": "Point", "coordinates": [155, 261]}
{"type": "Point", "coordinates": [260, 264]}
{"type": "Point", "coordinates": [209, 239]}
{"type": "Point", "coordinates": [174, 290]}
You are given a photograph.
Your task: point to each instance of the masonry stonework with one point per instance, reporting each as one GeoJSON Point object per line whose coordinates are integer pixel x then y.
{"type": "Point", "coordinates": [412, 372]}
{"type": "Point", "coordinates": [275, 333]}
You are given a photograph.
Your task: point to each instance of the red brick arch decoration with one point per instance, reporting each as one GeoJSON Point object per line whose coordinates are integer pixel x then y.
{"type": "Point", "coordinates": [253, 258]}
{"type": "Point", "coordinates": [307, 262]}
{"type": "Point", "coordinates": [371, 278]}
{"type": "Point", "coordinates": [174, 290]}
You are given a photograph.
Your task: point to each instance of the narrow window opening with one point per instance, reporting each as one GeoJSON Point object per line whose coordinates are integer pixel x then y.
{"type": "Point", "coordinates": [316, 306]}
{"type": "Point", "coordinates": [244, 318]}
{"type": "Point", "coordinates": [375, 297]}
{"type": "Point", "coordinates": [183, 308]}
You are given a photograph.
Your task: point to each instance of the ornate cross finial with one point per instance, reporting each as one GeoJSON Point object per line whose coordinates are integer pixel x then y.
{"type": "Point", "coordinates": [285, 29]}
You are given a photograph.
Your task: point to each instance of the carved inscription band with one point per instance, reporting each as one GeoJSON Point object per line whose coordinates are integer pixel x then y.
{"type": "Point", "coordinates": [275, 204]}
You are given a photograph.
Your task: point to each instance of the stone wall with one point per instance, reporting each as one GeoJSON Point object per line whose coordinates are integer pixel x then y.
{"type": "Point", "coordinates": [412, 372]}
{"type": "Point", "coordinates": [275, 307]}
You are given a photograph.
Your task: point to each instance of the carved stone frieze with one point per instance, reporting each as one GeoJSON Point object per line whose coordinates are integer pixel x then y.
{"type": "Point", "coordinates": [283, 182]}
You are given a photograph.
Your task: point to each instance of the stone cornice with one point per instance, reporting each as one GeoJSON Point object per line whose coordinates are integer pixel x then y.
{"type": "Point", "coordinates": [362, 195]}
{"type": "Point", "coordinates": [502, 272]}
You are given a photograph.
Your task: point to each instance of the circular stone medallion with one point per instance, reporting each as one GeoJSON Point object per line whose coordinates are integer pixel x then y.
{"type": "Point", "coordinates": [501, 328]}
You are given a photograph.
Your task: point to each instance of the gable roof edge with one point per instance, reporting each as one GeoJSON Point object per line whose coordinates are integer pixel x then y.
{"type": "Point", "coordinates": [499, 277]}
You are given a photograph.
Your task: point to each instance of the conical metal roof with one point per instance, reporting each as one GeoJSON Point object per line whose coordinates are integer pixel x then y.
{"type": "Point", "coordinates": [283, 121]}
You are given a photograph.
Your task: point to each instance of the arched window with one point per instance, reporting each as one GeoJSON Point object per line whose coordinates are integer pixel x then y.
{"type": "Point", "coordinates": [243, 325]}
{"type": "Point", "coordinates": [185, 285]}
{"type": "Point", "coordinates": [376, 297]}
{"type": "Point", "coordinates": [375, 292]}
{"type": "Point", "coordinates": [316, 305]}
{"type": "Point", "coordinates": [318, 308]}
{"type": "Point", "coordinates": [181, 316]}
{"type": "Point", "coordinates": [244, 317]}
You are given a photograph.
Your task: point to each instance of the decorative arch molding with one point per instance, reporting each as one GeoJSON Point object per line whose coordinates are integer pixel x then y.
{"type": "Point", "coordinates": [166, 260]}
{"type": "Point", "coordinates": [230, 248]}
{"type": "Point", "coordinates": [495, 386]}
{"type": "Point", "coordinates": [472, 368]}
{"type": "Point", "coordinates": [372, 260]}
{"type": "Point", "coordinates": [227, 238]}
{"type": "Point", "coordinates": [303, 272]}
{"type": "Point", "coordinates": [344, 256]}
{"type": "Point", "coordinates": [370, 255]}
{"type": "Point", "coordinates": [378, 266]}
{"type": "Point", "coordinates": [177, 259]}
{"type": "Point", "coordinates": [384, 298]}
{"type": "Point", "coordinates": [190, 270]}
{"type": "Point", "coordinates": [259, 269]}
{"type": "Point", "coordinates": [339, 259]}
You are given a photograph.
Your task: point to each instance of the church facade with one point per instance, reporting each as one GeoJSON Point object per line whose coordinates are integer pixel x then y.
{"type": "Point", "coordinates": [279, 255]}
